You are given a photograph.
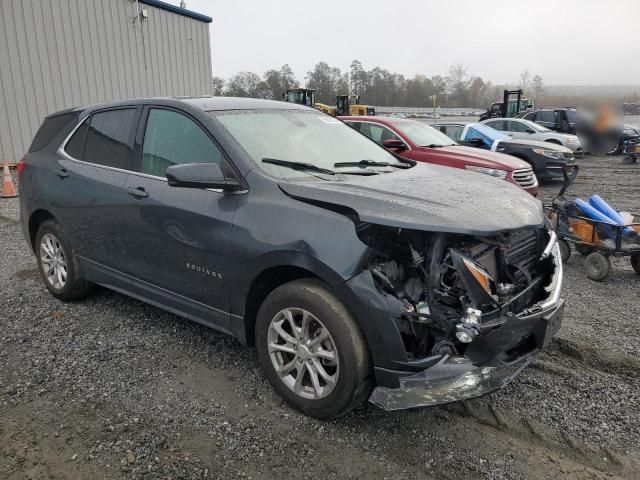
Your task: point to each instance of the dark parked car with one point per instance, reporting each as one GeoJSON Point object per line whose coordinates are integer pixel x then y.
{"type": "Point", "coordinates": [547, 159]}
{"type": "Point", "coordinates": [569, 120]}
{"type": "Point", "coordinates": [561, 120]}
{"type": "Point", "coordinates": [418, 141]}
{"type": "Point", "coordinates": [355, 273]}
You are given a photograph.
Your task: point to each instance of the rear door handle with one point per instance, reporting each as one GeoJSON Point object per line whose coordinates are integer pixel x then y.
{"type": "Point", "coordinates": [137, 192]}
{"type": "Point", "coordinates": [62, 173]}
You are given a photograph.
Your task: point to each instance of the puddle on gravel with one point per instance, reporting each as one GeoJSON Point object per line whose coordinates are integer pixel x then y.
{"type": "Point", "coordinates": [28, 274]}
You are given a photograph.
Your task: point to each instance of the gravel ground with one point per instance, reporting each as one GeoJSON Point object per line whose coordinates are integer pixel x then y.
{"type": "Point", "coordinates": [112, 388]}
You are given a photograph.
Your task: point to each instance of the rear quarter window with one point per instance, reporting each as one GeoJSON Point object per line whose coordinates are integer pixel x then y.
{"type": "Point", "coordinates": [75, 145]}
{"type": "Point", "coordinates": [50, 128]}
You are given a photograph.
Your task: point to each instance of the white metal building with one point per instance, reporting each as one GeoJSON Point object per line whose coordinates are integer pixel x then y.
{"type": "Point", "coordinates": [55, 54]}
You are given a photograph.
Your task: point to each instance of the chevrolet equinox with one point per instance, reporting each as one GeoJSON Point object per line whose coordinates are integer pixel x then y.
{"type": "Point", "coordinates": [354, 272]}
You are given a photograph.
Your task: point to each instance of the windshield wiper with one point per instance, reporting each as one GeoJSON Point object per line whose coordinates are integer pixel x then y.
{"type": "Point", "coordinates": [309, 167]}
{"type": "Point", "coordinates": [370, 163]}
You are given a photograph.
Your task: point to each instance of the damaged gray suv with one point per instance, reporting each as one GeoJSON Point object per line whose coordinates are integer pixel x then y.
{"type": "Point", "coordinates": [356, 274]}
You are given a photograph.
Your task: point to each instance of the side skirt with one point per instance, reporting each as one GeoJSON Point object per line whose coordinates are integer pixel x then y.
{"type": "Point", "coordinates": [159, 297]}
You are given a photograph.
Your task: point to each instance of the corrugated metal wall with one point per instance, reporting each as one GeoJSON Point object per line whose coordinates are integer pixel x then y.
{"type": "Point", "coordinates": [56, 54]}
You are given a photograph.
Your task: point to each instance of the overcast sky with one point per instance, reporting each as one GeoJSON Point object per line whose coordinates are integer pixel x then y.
{"type": "Point", "coordinates": [575, 42]}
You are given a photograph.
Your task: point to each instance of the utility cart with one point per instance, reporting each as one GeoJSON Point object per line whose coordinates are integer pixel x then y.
{"type": "Point", "coordinates": [597, 240]}
{"type": "Point", "coordinates": [631, 151]}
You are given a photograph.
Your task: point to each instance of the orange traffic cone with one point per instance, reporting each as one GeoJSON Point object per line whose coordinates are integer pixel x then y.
{"type": "Point", "coordinates": [8, 190]}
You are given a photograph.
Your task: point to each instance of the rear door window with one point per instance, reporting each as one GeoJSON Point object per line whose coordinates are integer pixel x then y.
{"type": "Point", "coordinates": [517, 127]}
{"type": "Point", "coordinates": [172, 138]}
{"type": "Point", "coordinates": [110, 138]}
{"type": "Point", "coordinates": [546, 116]}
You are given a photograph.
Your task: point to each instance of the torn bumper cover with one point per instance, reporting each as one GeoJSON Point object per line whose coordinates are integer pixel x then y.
{"type": "Point", "coordinates": [491, 361]}
{"type": "Point", "coordinates": [456, 378]}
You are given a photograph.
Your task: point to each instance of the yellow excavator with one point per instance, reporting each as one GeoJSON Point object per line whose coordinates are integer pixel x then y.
{"type": "Point", "coordinates": [345, 104]}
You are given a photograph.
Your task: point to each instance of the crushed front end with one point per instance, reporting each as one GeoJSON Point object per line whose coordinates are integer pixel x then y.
{"type": "Point", "coordinates": [472, 312]}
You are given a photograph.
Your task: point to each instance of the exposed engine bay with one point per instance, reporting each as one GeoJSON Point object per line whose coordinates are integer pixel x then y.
{"type": "Point", "coordinates": [457, 287]}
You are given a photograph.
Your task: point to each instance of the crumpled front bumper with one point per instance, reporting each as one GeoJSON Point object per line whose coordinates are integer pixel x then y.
{"type": "Point", "coordinates": [456, 378]}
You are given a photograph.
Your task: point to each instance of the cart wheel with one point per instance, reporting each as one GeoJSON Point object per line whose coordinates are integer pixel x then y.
{"type": "Point", "coordinates": [565, 250]}
{"type": "Point", "coordinates": [583, 249]}
{"type": "Point", "coordinates": [597, 266]}
{"type": "Point", "coordinates": [635, 262]}
{"type": "Point", "coordinates": [628, 160]}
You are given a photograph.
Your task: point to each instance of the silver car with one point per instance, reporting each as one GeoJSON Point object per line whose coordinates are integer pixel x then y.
{"type": "Point", "coordinates": [519, 128]}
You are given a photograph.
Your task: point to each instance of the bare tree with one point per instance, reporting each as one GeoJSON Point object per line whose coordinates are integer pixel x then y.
{"type": "Point", "coordinates": [458, 85]}
{"type": "Point", "coordinates": [525, 80]}
{"type": "Point", "coordinates": [538, 85]}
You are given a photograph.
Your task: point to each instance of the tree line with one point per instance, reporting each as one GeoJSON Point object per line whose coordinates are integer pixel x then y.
{"type": "Point", "coordinates": [378, 86]}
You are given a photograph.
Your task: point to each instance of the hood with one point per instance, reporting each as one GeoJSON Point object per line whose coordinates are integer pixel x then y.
{"type": "Point", "coordinates": [427, 197]}
{"type": "Point", "coordinates": [481, 158]}
{"type": "Point", "coordinates": [537, 144]}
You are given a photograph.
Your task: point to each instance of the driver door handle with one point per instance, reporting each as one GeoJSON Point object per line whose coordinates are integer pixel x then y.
{"type": "Point", "coordinates": [62, 173]}
{"type": "Point", "coordinates": [138, 192]}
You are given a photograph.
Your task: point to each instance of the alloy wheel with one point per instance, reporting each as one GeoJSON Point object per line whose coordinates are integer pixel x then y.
{"type": "Point", "coordinates": [54, 261]}
{"type": "Point", "coordinates": [303, 353]}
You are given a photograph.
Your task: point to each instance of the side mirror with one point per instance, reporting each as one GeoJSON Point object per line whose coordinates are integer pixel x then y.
{"type": "Point", "coordinates": [531, 131]}
{"type": "Point", "coordinates": [394, 143]}
{"type": "Point", "coordinates": [199, 175]}
{"type": "Point", "coordinates": [476, 142]}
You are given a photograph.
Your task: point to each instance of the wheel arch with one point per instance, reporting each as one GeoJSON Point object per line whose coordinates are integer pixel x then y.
{"type": "Point", "coordinates": [35, 220]}
{"type": "Point", "coordinates": [262, 285]}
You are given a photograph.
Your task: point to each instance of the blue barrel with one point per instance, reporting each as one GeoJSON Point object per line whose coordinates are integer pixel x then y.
{"type": "Point", "coordinates": [592, 213]}
{"type": "Point", "coordinates": [603, 207]}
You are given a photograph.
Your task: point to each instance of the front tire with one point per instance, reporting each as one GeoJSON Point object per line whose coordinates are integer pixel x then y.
{"type": "Point", "coordinates": [57, 263]}
{"type": "Point", "coordinates": [597, 266]}
{"type": "Point", "coordinates": [312, 351]}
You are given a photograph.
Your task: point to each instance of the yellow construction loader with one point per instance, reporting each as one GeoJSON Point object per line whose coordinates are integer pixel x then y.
{"type": "Point", "coordinates": [350, 105]}
{"type": "Point", "coordinates": [307, 96]}
{"type": "Point", "coordinates": [345, 104]}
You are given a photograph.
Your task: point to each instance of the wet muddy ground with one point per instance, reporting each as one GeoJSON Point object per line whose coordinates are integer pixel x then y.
{"type": "Point", "coordinates": [112, 388]}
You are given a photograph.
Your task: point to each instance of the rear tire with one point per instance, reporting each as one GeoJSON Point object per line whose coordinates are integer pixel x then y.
{"type": "Point", "coordinates": [341, 362]}
{"type": "Point", "coordinates": [597, 266]}
{"type": "Point", "coordinates": [58, 264]}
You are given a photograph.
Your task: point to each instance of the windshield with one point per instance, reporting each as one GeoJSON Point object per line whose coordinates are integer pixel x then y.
{"type": "Point", "coordinates": [535, 126]}
{"type": "Point", "coordinates": [423, 135]}
{"type": "Point", "coordinates": [302, 137]}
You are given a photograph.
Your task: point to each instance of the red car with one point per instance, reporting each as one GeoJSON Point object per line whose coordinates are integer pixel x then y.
{"type": "Point", "coordinates": [418, 141]}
